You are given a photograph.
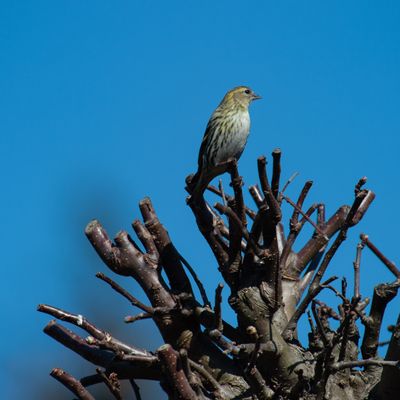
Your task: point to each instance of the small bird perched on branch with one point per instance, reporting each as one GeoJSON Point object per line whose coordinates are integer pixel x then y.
{"type": "Point", "coordinates": [224, 139]}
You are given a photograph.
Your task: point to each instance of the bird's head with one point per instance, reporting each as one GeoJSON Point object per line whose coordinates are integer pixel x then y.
{"type": "Point", "coordinates": [240, 96]}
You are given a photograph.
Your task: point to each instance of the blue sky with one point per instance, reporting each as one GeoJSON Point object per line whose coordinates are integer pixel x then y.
{"type": "Point", "coordinates": [106, 102]}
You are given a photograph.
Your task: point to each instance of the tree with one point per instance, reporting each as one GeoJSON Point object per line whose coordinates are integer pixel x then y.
{"type": "Point", "coordinates": [271, 287]}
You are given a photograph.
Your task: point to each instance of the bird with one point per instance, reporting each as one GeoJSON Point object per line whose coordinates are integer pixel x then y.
{"type": "Point", "coordinates": [224, 139]}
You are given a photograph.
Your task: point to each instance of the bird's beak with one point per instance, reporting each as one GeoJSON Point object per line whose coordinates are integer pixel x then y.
{"type": "Point", "coordinates": [256, 97]}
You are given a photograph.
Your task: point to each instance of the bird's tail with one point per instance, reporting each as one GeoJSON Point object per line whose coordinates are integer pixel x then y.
{"type": "Point", "coordinates": [192, 181]}
{"type": "Point", "coordinates": [196, 184]}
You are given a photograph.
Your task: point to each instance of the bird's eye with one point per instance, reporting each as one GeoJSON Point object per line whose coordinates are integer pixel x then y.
{"type": "Point", "coordinates": [247, 91]}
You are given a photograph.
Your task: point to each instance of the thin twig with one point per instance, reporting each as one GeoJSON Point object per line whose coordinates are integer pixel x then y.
{"type": "Point", "coordinates": [344, 287]}
{"type": "Point", "coordinates": [221, 189]}
{"type": "Point", "coordinates": [295, 225]}
{"type": "Point", "coordinates": [206, 317]}
{"type": "Point", "coordinates": [310, 321]}
{"type": "Point", "coordinates": [389, 264]}
{"type": "Point", "coordinates": [337, 293]}
{"type": "Point", "coordinates": [129, 319]}
{"type": "Point", "coordinates": [356, 266]}
{"type": "Point", "coordinates": [136, 389]}
{"type": "Point", "coordinates": [317, 228]}
{"type": "Point", "coordinates": [288, 182]}
{"type": "Point", "coordinates": [252, 214]}
{"type": "Point", "coordinates": [133, 300]}
{"type": "Point", "coordinates": [197, 281]}
{"type": "Point", "coordinates": [300, 201]}
{"type": "Point", "coordinates": [339, 239]}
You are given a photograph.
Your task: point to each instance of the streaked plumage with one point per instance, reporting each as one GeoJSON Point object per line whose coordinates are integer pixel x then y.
{"type": "Point", "coordinates": [225, 136]}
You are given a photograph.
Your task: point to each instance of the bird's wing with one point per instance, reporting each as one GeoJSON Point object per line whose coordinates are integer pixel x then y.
{"type": "Point", "coordinates": [209, 134]}
{"type": "Point", "coordinates": [204, 145]}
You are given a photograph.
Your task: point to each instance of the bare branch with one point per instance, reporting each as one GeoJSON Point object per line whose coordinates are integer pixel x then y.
{"type": "Point", "coordinates": [177, 379]}
{"type": "Point", "coordinates": [276, 172]}
{"type": "Point", "coordinates": [256, 195]}
{"type": "Point", "coordinates": [236, 182]}
{"type": "Point", "coordinates": [207, 224]}
{"type": "Point", "coordinates": [146, 238]}
{"type": "Point", "coordinates": [108, 252]}
{"type": "Point", "coordinates": [111, 382]}
{"type": "Point", "coordinates": [389, 264]}
{"type": "Point", "coordinates": [295, 229]}
{"type": "Point", "coordinates": [383, 294]}
{"type": "Point", "coordinates": [259, 385]}
{"type": "Point", "coordinates": [285, 186]}
{"type": "Point", "coordinates": [321, 329]}
{"type": "Point", "coordinates": [318, 241]}
{"type": "Point", "coordinates": [169, 255]}
{"type": "Point", "coordinates": [140, 366]}
{"type": "Point", "coordinates": [207, 318]}
{"type": "Point", "coordinates": [71, 383]}
{"type": "Point", "coordinates": [359, 185]}
{"type": "Point", "coordinates": [221, 189]}
{"type": "Point", "coordinates": [213, 383]}
{"type": "Point", "coordinates": [310, 321]}
{"type": "Point", "coordinates": [300, 201]}
{"type": "Point", "coordinates": [217, 307]}
{"type": "Point", "coordinates": [356, 265]}
{"type": "Point", "coordinates": [363, 207]}
{"type": "Point", "coordinates": [136, 389]}
{"type": "Point", "coordinates": [98, 334]}
{"type": "Point", "coordinates": [269, 197]}
{"type": "Point", "coordinates": [235, 219]}
{"type": "Point", "coordinates": [363, 363]}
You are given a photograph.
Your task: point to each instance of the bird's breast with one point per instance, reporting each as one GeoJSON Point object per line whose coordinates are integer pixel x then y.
{"type": "Point", "coordinates": [233, 140]}
{"type": "Point", "coordinates": [241, 124]}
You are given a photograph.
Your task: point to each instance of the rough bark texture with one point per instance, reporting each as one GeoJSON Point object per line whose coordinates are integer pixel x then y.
{"type": "Point", "coordinates": [270, 288]}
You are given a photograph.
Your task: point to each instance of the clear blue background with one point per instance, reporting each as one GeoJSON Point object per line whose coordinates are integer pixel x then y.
{"type": "Point", "coordinates": [105, 102]}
